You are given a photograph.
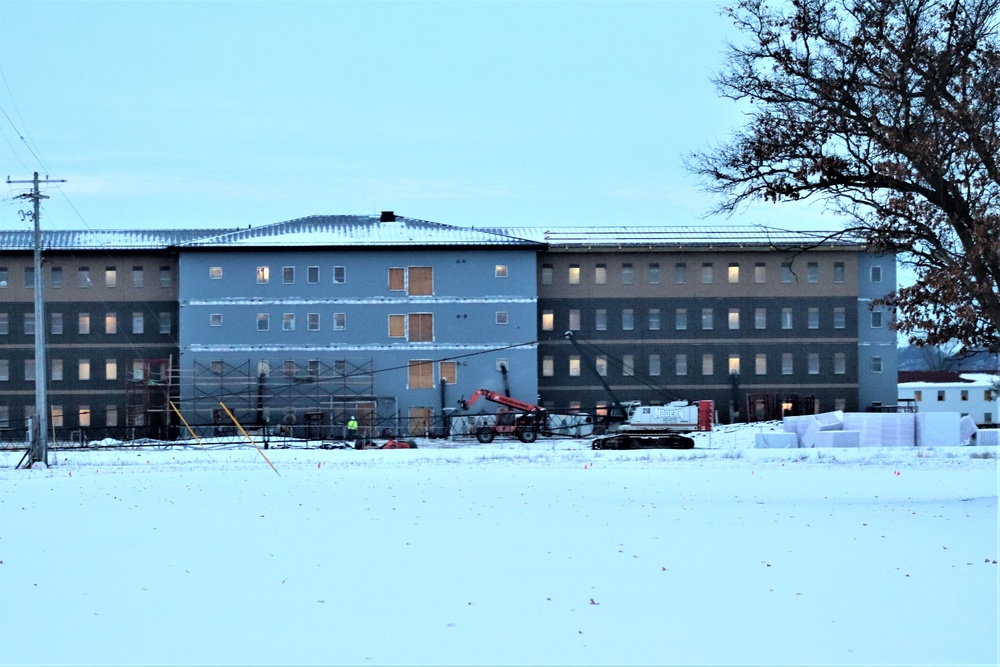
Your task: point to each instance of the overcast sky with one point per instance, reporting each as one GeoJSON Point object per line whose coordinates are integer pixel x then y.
{"type": "Point", "coordinates": [199, 114]}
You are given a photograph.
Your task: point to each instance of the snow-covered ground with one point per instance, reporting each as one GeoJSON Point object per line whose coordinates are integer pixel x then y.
{"type": "Point", "coordinates": [507, 553]}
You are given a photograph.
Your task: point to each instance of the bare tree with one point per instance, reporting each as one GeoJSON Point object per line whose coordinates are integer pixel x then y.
{"type": "Point", "coordinates": [889, 111]}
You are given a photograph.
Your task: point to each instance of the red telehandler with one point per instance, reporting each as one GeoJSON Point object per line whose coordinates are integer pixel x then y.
{"type": "Point", "coordinates": [525, 421]}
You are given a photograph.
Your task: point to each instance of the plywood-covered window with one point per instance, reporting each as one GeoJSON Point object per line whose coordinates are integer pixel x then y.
{"type": "Point", "coordinates": [397, 279]}
{"type": "Point", "coordinates": [420, 281]}
{"type": "Point", "coordinates": [397, 326]}
{"type": "Point", "coordinates": [421, 327]}
{"type": "Point", "coordinates": [421, 374]}
{"type": "Point", "coordinates": [449, 372]}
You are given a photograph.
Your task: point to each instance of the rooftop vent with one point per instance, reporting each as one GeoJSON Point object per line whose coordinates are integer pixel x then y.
{"type": "Point", "coordinates": [387, 216]}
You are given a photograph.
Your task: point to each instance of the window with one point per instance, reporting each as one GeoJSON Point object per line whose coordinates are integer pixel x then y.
{"type": "Point", "coordinates": [421, 375]}
{"type": "Point", "coordinates": [420, 280]}
{"type": "Point", "coordinates": [263, 275]}
{"type": "Point", "coordinates": [4, 416]}
{"type": "Point", "coordinates": [654, 365]}
{"type": "Point", "coordinates": [287, 368]}
{"type": "Point", "coordinates": [166, 277]}
{"type": "Point", "coordinates": [339, 322]}
{"type": "Point", "coordinates": [138, 279]}
{"type": "Point", "coordinates": [500, 271]}
{"type": "Point", "coordinates": [57, 323]}
{"type": "Point", "coordinates": [760, 273]}
{"type": "Point", "coordinates": [29, 277]}
{"type": "Point", "coordinates": [786, 363]}
{"type": "Point", "coordinates": [56, 277]}
{"type": "Point", "coordinates": [165, 322]}
{"type": "Point", "coordinates": [111, 415]}
{"type": "Point", "coordinates": [84, 416]}
{"type": "Point", "coordinates": [839, 318]}
{"type": "Point", "coordinates": [601, 364]}
{"type": "Point", "coordinates": [340, 277]}
{"type": "Point", "coordinates": [988, 395]}
{"type": "Point", "coordinates": [548, 367]}
{"type": "Point", "coordinates": [215, 320]}
{"type": "Point", "coordinates": [786, 318]}
{"type": "Point", "coordinates": [940, 395]}
{"type": "Point", "coordinates": [601, 274]}
{"type": "Point", "coordinates": [110, 276]}
{"type": "Point", "coordinates": [734, 319]}
{"type": "Point", "coordinates": [57, 369]}
{"type": "Point", "coordinates": [838, 272]}
{"type": "Point", "coordinates": [839, 363]}
{"type": "Point", "coordinates": [288, 321]}
{"type": "Point", "coordinates": [4, 370]}
{"type": "Point", "coordinates": [397, 279]}
{"type": "Point", "coordinates": [84, 370]}
{"type": "Point", "coordinates": [56, 413]}
{"type": "Point", "coordinates": [733, 273]}
{"type": "Point", "coordinates": [681, 364]}
{"type": "Point", "coordinates": [83, 324]}
{"type": "Point", "coordinates": [680, 273]}
{"type": "Point", "coordinates": [574, 366]}
{"type": "Point", "coordinates": [138, 323]}
{"type": "Point", "coordinates": [448, 371]}
{"type": "Point", "coordinates": [573, 275]}
{"type": "Point", "coordinates": [548, 320]}
{"type": "Point", "coordinates": [653, 274]}
{"type": "Point", "coordinates": [654, 319]}
{"type": "Point", "coordinates": [706, 273]}
{"type": "Point", "coordinates": [5, 277]}
{"type": "Point", "coordinates": [601, 319]}
{"type": "Point", "coordinates": [501, 317]}
{"type": "Point", "coordinates": [421, 327]}
{"type": "Point", "coordinates": [875, 273]}
{"type": "Point", "coordinates": [397, 326]}
{"type": "Point", "coordinates": [813, 360]}
{"type": "Point", "coordinates": [110, 369]}
{"type": "Point", "coordinates": [29, 324]}
{"type": "Point", "coordinates": [312, 321]}
{"type": "Point", "coordinates": [876, 364]}
{"type": "Point", "coordinates": [628, 319]}
{"type": "Point", "coordinates": [29, 370]}
{"type": "Point", "coordinates": [760, 318]}
{"type": "Point", "coordinates": [707, 364]}
{"type": "Point", "coordinates": [681, 319]}
{"type": "Point", "coordinates": [918, 395]}
{"type": "Point", "coordinates": [734, 364]}
{"type": "Point", "coordinates": [812, 272]}
{"type": "Point", "coordinates": [760, 364]}
{"type": "Point", "coordinates": [547, 274]}
{"type": "Point", "coordinates": [83, 277]}
{"type": "Point", "coordinates": [288, 275]}
{"type": "Point", "coordinates": [628, 365]}
{"type": "Point", "coordinates": [706, 319]}
{"type": "Point", "coordinates": [215, 272]}
{"type": "Point", "coordinates": [786, 273]}
{"type": "Point", "coordinates": [263, 321]}
{"type": "Point", "coordinates": [813, 318]}
{"type": "Point", "coordinates": [876, 316]}
{"type": "Point", "coordinates": [111, 323]}
{"type": "Point", "coordinates": [312, 275]}
{"type": "Point", "coordinates": [628, 274]}
{"type": "Point", "coordinates": [4, 324]}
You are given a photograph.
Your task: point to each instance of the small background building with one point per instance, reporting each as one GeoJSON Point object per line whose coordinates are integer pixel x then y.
{"type": "Point", "coordinates": [950, 391]}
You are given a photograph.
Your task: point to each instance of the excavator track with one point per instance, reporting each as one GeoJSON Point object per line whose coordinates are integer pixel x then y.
{"type": "Point", "coordinates": [643, 441]}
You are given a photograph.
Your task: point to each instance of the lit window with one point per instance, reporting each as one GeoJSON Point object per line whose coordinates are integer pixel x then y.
{"type": "Point", "coordinates": [84, 369]}
{"type": "Point", "coordinates": [734, 364]}
{"type": "Point", "coordinates": [215, 272]}
{"type": "Point", "coordinates": [263, 275]}
{"type": "Point", "coordinates": [500, 271]}
{"type": "Point", "coordinates": [601, 363]}
{"type": "Point", "coordinates": [574, 274]}
{"type": "Point", "coordinates": [110, 323]}
{"type": "Point", "coordinates": [84, 416]}
{"type": "Point", "coordinates": [574, 365]}
{"type": "Point", "coordinates": [548, 320]}
{"type": "Point", "coordinates": [734, 319]}
{"type": "Point", "coordinates": [419, 280]}
{"type": "Point", "coordinates": [548, 367]}
{"type": "Point", "coordinates": [733, 274]}
{"type": "Point", "coordinates": [110, 369]}
{"type": "Point", "coordinates": [57, 416]}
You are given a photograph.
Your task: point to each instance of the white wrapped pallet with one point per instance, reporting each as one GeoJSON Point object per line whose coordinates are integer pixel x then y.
{"type": "Point", "coordinates": [938, 429]}
{"type": "Point", "coordinates": [776, 441]}
{"type": "Point", "coordinates": [988, 437]}
{"type": "Point", "coordinates": [967, 428]}
{"type": "Point", "coordinates": [797, 425]}
{"type": "Point", "coordinates": [898, 429]}
{"type": "Point", "coordinates": [831, 421]}
{"type": "Point", "coordinates": [838, 438]}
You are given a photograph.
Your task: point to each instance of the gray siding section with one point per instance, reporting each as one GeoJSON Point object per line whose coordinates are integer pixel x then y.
{"type": "Point", "coordinates": [877, 345]}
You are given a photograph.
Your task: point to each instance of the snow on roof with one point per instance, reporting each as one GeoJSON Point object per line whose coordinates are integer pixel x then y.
{"type": "Point", "coordinates": [727, 236]}
{"type": "Point", "coordinates": [103, 239]}
{"type": "Point", "coordinates": [359, 231]}
{"type": "Point", "coordinates": [942, 378]}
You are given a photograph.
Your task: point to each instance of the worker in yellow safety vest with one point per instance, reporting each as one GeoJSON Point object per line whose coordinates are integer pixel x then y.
{"type": "Point", "coordinates": [352, 428]}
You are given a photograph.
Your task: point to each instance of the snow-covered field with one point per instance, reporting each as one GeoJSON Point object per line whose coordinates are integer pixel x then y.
{"type": "Point", "coordinates": [545, 553]}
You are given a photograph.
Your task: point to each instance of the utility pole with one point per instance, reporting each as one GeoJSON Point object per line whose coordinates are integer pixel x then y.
{"type": "Point", "coordinates": [39, 451]}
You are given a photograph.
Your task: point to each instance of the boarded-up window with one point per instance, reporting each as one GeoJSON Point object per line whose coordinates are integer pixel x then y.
{"type": "Point", "coordinates": [449, 372]}
{"type": "Point", "coordinates": [397, 326]}
{"type": "Point", "coordinates": [421, 327]}
{"type": "Point", "coordinates": [397, 279]}
{"type": "Point", "coordinates": [421, 281]}
{"type": "Point", "coordinates": [421, 374]}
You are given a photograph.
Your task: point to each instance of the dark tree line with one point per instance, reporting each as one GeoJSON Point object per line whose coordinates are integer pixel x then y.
{"type": "Point", "coordinates": [889, 110]}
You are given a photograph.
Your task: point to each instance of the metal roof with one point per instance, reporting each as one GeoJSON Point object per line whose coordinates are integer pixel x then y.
{"type": "Point", "coordinates": [358, 231]}
{"type": "Point", "coordinates": [679, 237]}
{"type": "Point", "coordinates": [103, 239]}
